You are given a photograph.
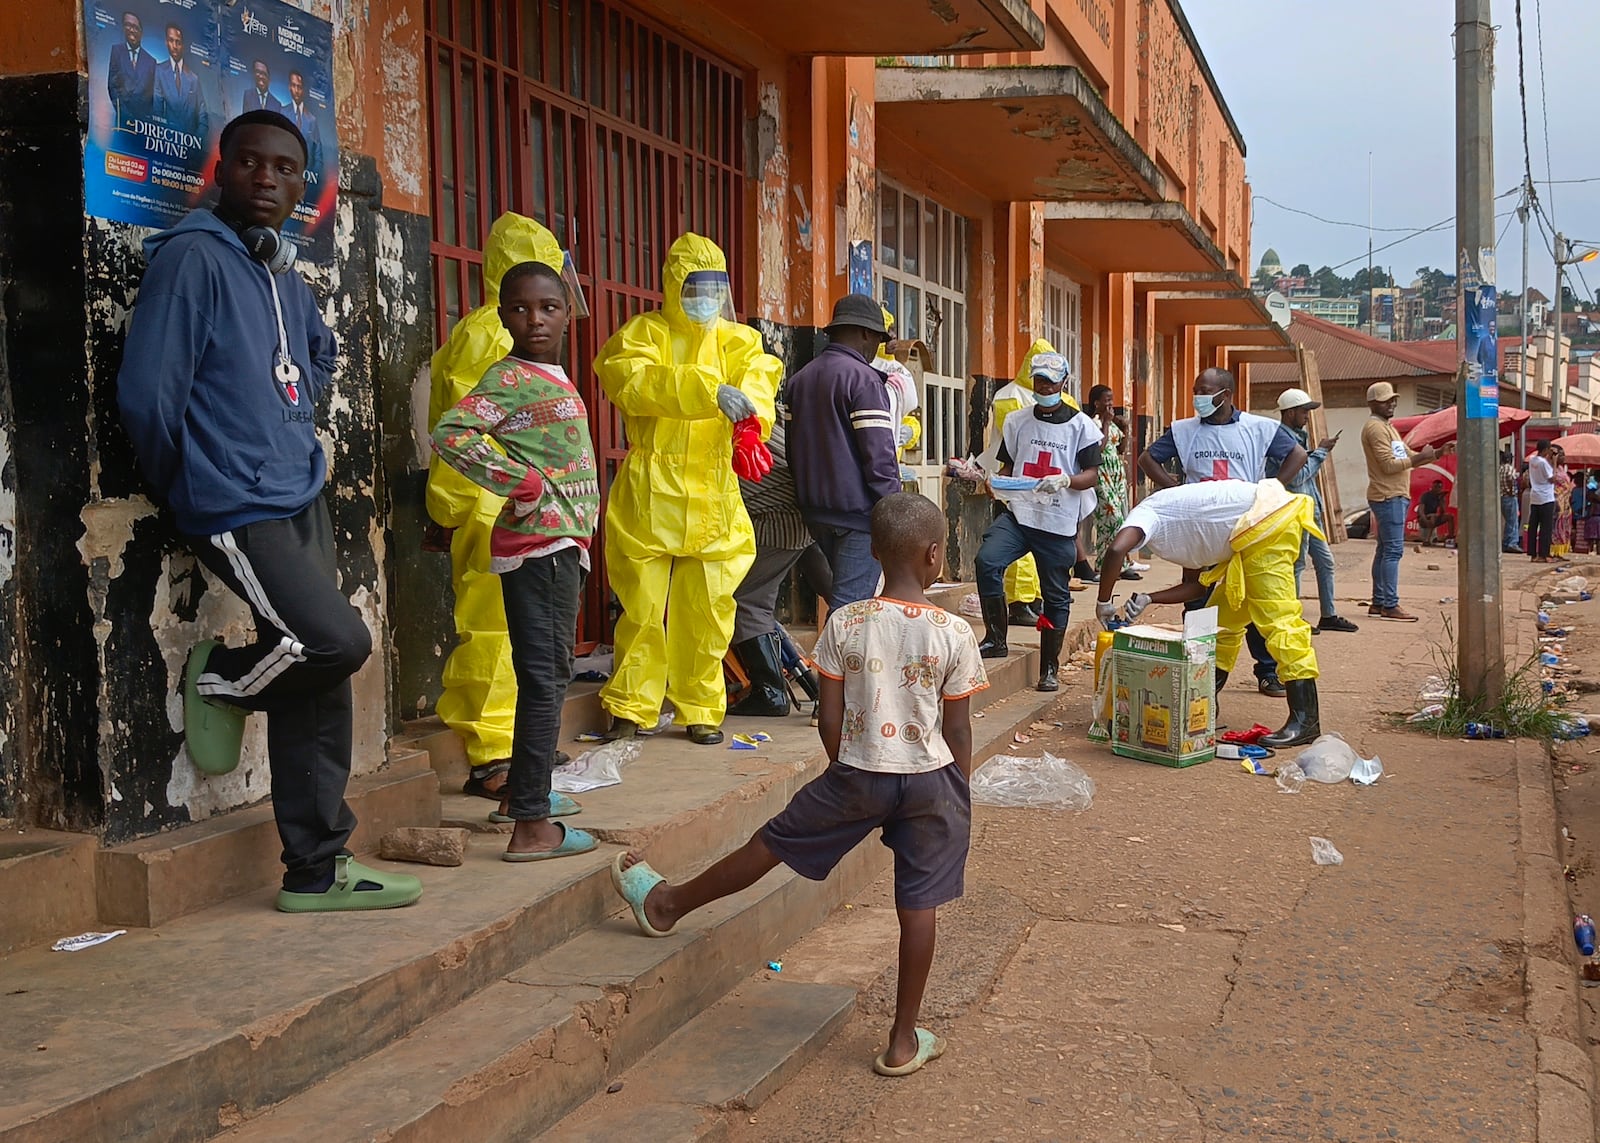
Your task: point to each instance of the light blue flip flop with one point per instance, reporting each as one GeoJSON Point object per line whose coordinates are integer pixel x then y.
{"type": "Point", "coordinates": [561, 806]}
{"type": "Point", "coordinates": [573, 842]}
{"type": "Point", "coordinates": [929, 1048]}
{"type": "Point", "coordinates": [633, 885]}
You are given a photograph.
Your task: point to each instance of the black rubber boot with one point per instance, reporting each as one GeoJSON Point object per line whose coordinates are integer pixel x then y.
{"type": "Point", "coordinates": [761, 658]}
{"type": "Point", "coordinates": [1305, 718]}
{"type": "Point", "coordinates": [1222, 679]}
{"type": "Point", "coordinates": [1216, 702]}
{"type": "Point", "coordinates": [1050, 640]}
{"type": "Point", "coordinates": [1024, 615]}
{"type": "Point", "coordinates": [994, 628]}
{"type": "Point", "coordinates": [703, 735]}
{"type": "Point", "coordinates": [620, 728]}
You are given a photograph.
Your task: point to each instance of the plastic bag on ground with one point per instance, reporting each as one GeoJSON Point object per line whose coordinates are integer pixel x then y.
{"type": "Point", "coordinates": [1366, 770]}
{"type": "Point", "coordinates": [1329, 760]}
{"type": "Point", "coordinates": [1290, 779]}
{"type": "Point", "coordinates": [1434, 689]}
{"type": "Point", "coordinates": [1572, 585]}
{"type": "Point", "coordinates": [971, 606]}
{"type": "Point", "coordinates": [601, 766]}
{"type": "Point", "coordinates": [1323, 852]}
{"type": "Point", "coordinates": [1048, 783]}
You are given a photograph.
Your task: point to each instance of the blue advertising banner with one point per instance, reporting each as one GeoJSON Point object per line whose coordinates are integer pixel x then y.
{"type": "Point", "coordinates": [164, 78]}
{"type": "Point", "coordinates": [1482, 353]}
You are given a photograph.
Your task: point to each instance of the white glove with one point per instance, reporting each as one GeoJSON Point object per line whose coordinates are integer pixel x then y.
{"type": "Point", "coordinates": [1050, 485]}
{"type": "Point", "coordinates": [903, 437]}
{"type": "Point", "coordinates": [734, 404]}
{"type": "Point", "coordinates": [1135, 606]}
{"type": "Point", "coordinates": [1105, 613]}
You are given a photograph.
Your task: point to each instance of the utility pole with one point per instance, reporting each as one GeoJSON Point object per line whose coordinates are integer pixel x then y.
{"type": "Point", "coordinates": [1480, 654]}
{"type": "Point", "coordinates": [1522, 371]}
{"type": "Point", "coordinates": [1558, 375]}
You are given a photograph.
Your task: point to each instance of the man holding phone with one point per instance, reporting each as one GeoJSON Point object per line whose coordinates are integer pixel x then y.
{"type": "Point", "coordinates": [1294, 409]}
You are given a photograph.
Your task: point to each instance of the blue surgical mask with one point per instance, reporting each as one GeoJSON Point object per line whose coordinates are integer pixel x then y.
{"type": "Point", "coordinates": [702, 311]}
{"type": "Point", "coordinates": [1205, 404]}
{"type": "Point", "coordinates": [1048, 400]}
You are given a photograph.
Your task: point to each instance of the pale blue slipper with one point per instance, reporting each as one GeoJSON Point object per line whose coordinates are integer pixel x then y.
{"type": "Point", "coordinates": [561, 806]}
{"type": "Point", "coordinates": [929, 1048]}
{"type": "Point", "coordinates": [633, 885]}
{"type": "Point", "coordinates": [573, 842]}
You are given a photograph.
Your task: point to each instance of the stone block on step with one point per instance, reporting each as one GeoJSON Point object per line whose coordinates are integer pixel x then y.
{"type": "Point", "coordinates": [426, 845]}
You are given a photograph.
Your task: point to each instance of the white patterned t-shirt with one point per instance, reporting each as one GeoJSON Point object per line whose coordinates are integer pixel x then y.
{"type": "Point", "coordinates": [899, 662]}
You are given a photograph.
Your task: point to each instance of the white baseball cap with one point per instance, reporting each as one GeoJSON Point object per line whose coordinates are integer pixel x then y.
{"type": "Point", "coordinates": [1296, 399]}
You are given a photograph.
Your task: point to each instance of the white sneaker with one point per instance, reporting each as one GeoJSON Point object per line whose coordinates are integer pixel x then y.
{"type": "Point", "coordinates": [1132, 566]}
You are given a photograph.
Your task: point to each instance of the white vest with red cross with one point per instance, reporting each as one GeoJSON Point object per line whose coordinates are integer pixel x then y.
{"type": "Point", "coordinates": [1235, 451]}
{"type": "Point", "coordinates": [1044, 448]}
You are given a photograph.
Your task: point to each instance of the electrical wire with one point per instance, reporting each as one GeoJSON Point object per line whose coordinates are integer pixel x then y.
{"type": "Point", "coordinates": [1544, 99]}
{"type": "Point", "coordinates": [1332, 221]}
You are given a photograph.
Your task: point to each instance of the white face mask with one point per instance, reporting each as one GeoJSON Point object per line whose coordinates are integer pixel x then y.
{"type": "Point", "coordinates": [1205, 404]}
{"type": "Point", "coordinates": [702, 311]}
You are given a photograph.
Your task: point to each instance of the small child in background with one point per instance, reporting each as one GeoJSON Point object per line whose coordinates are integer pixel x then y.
{"type": "Point", "coordinates": [898, 674]}
{"type": "Point", "coordinates": [540, 543]}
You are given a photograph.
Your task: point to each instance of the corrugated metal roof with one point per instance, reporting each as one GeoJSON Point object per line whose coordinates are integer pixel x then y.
{"type": "Point", "coordinates": [1345, 355]}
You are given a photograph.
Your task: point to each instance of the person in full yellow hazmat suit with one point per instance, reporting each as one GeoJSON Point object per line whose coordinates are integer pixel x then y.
{"type": "Point", "coordinates": [479, 698]}
{"type": "Point", "coordinates": [903, 397]}
{"type": "Point", "coordinates": [678, 539]}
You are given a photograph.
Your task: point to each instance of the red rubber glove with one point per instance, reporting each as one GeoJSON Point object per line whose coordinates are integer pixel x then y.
{"type": "Point", "coordinates": [751, 460]}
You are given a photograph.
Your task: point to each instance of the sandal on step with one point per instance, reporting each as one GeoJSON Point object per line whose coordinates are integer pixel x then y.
{"type": "Point", "coordinates": [213, 729]}
{"type": "Point", "coordinates": [929, 1048]}
{"type": "Point", "coordinates": [573, 842]}
{"type": "Point", "coordinates": [355, 886]}
{"type": "Point", "coordinates": [633, 885]}
{"type": "Point", "coordinates": [477, 784]}
{"type": "Point", "coordinates": [561, 806]}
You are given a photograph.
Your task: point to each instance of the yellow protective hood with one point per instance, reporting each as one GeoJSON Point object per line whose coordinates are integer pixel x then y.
{"type": "Point", "coordinates": [514, 239]}
{"type": "Point", "coordinates": [689, 254]}
{"type": "Point", "coordinates": [1024, 378]}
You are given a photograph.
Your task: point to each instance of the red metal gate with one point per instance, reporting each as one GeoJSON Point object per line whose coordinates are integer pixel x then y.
{"type": "Point", "coordinates": [608, 130]}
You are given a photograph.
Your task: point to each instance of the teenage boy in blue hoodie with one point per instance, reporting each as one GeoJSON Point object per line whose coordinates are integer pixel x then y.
{"type": "Point", "coordinates": [226, 359]}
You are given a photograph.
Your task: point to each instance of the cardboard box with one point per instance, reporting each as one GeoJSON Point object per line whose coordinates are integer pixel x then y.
{"type": "Point", "coordinates": [1164, 691]}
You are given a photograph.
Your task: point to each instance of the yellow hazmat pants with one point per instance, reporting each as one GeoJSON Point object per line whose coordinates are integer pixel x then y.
{"type": "Point", "coordinates": [1257, 586]}
{"type": "Point", "coordinates": [479, 700]}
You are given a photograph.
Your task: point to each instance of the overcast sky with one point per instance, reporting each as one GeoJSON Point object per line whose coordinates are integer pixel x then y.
{"type": "Point", "coordinates": [1315, 86]}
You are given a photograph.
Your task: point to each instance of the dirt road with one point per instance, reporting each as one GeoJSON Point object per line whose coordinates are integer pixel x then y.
{"type": "Point", "coordinates": [1170, 964]}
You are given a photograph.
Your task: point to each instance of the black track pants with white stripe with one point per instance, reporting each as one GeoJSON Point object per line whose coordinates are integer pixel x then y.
{"type": "Point", "coordinates": [309, 641]}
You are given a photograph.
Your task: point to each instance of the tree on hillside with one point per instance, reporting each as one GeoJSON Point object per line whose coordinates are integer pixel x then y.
{"type": "Point", "coordinates": [1329, 284]}
{"type": "Point", "coordinates": [1302, 270]}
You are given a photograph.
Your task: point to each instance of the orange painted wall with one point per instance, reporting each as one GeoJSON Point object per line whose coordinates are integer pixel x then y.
{"type": "Point", "coordinates": [38, 36]}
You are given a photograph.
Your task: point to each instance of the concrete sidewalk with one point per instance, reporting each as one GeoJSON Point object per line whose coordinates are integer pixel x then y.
{"type": "Point", "coordinates": [1172, 965]}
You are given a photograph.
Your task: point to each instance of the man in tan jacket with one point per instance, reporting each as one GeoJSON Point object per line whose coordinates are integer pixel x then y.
{"type": "Point", "coordinates": [1389, 465]}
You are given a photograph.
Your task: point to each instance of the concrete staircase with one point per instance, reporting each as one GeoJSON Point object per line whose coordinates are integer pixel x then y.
{"type": "Point", "coordinates": [499, 1004]}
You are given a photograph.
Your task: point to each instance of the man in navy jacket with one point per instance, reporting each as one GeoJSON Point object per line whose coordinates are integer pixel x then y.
{"type": "Point", "coordinates": [226, 358]}
{"type": "Point", "coordinates": [841, 439]}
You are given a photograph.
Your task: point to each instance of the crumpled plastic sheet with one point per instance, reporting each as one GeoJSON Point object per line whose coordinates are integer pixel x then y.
{"type": "Point", "coordinates": [1048, 783]}
{"type": "Point", "coordinates": [1324, 853]}
{"type": "Point", "coordinates": [601, 766]}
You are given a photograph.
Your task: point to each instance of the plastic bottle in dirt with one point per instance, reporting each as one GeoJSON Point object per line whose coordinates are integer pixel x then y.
{"type": "Point", "coordinates": [1484, 730]}
{"type": "Point", "coordinates": [1583, 933]}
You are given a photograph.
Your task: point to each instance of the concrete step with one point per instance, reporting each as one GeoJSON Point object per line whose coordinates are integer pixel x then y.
{"type": "Point", "coordinates": [206, 1021]}
{"type": "Point", "coordinates": [47, 884]}
{"type": "Point", "coordinates": [510, 1061]}
{"type": "Point", "coordinates": [156, 879]}
{"type": "Point", "coordinates": [729, 1058]}
{"type": "Point", "coordinates": [448, 756]}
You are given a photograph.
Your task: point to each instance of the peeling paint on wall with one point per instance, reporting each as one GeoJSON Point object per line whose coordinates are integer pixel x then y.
{"type": "Point", "coordinates": [8, 513]}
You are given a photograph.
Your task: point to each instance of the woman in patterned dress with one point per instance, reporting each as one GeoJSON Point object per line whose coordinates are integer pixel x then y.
{"type": "Point", "coordinates": [1561, 535]}
{"type": "Point", "coordinates": [1111, 492]}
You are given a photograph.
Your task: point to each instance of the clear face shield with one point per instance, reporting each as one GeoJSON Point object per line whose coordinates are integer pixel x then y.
{"type": "Point", "coordinates": [569, 275]}
{"type": "Point", "coordinates": [707, 296]}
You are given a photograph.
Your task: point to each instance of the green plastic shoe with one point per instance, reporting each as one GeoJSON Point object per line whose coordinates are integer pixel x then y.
{"type": "Point", "coordinates": [393, 890]}
{"type": "Point", "coordinates": [213, 729]}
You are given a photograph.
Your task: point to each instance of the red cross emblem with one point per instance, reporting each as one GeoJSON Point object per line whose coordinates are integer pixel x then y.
{"type": "Point", "coordinates": [1219, 469]}
{"type": "Point", "coordinates": [1042, 466]}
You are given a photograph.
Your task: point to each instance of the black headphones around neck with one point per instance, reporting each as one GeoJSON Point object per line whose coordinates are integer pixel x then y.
{"type": "Point", "coordinates": [267, 246]}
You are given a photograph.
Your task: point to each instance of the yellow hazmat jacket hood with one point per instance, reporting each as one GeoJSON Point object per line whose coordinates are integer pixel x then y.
{"type": "Point", "coordinates": [689, 254]}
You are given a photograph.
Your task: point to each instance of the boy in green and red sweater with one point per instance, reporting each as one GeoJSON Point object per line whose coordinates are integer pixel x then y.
{"type": "Point", "coordinates": [540, 544]}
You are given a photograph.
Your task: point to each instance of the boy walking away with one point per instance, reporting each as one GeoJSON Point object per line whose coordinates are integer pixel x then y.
{"type": "Point", "coordinates": [898, 674]}
{"type": "Point", "coordinates": [540, 544]}
{"type": "Point", "coordinates": [1061, 446]}
{"type": "Point", "coordinates": [225, 362]}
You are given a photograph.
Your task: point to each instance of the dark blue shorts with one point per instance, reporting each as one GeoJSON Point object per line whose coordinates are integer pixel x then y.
{"type": "Point", "coordinates": [926, 821]}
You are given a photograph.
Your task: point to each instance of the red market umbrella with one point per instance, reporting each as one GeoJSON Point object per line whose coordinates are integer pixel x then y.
{"type": "Point", "coordinates": [1422, 478]}
{"type": "Point", "coordinates": [1582, 449]}
{"type": "Point", "coordinates": [1440, 427]}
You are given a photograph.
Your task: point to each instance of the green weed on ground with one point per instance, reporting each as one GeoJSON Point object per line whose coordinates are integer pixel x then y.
{"type": "Point", "coordinates": [1524, 710]}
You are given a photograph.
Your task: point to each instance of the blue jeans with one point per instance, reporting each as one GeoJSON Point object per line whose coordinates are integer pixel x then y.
{"type": "Point", "coordinates": [1511, 512]}
{"type": "Point", "coordinates": [1322, 560]}
{"type": "Point", "coordinates": [1007, 541]}
{"type": "Point", "coordinates": [1389, 529]}
{"type": "Point", "coordinates": [849, 554]}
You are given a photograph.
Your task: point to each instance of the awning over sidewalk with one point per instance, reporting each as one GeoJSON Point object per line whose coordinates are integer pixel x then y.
{"type": "Point", "coordinates": [1270, 336]}
{"type": "Point", "coordinates": [1256, 355]}
{"type": "Point", "coordinates": [889, 27]}
{"type": "Point", "coordinates": [1124, 237]}
{"type": "Point", "coordinates": [1207, 307]}
{"type": "Point", "coordinates": [1017, 134]}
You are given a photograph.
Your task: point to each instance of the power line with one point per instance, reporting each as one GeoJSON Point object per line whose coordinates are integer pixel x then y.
{"type": "Point", "coordinates": [1522, 95]}
{"type": "Point", "coordinates": [1332, 221]}
{"type": "Point", "coordinates": [1544, 99]}
{"type": "Point", "coordinates": [1440, 225]}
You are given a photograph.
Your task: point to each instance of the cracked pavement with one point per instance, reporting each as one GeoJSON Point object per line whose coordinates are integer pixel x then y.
{"type": "Point", "coordinates": [1170, 964]}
